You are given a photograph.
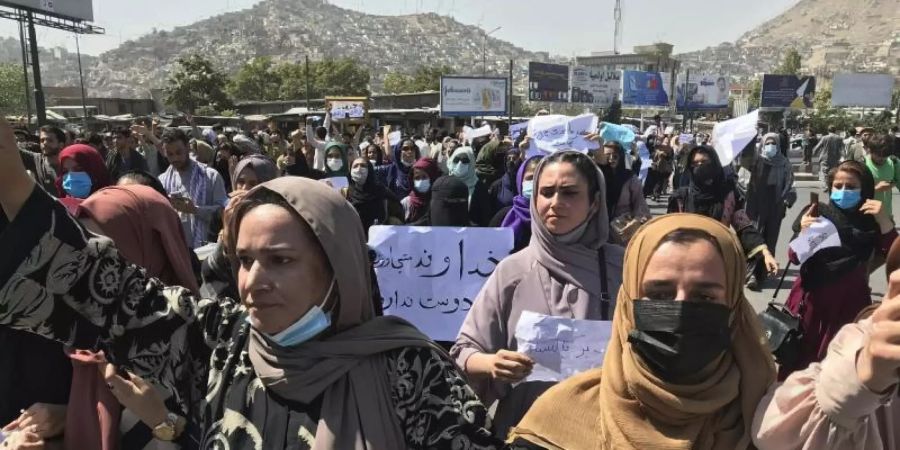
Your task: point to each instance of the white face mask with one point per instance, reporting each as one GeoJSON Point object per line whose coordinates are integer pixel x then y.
{"type": "Point", "coordinates": [359, 175]}
{"type": "Point", "coordinates": [461, 170]}
{"type": "Point", "coordinates": [335, 164]}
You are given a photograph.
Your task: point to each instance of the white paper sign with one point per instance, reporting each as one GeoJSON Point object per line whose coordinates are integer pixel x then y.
{"type": "Point", "coordinates": [431, 276]}
{"type": "Point", "coordinates": [474, 133]}
{"type": "Point", "coordinates": [394, 138]}
{"type": "Point", "coordinates": [820, 235]}
{"type": "Point", "coordinates": [553, 133]}
{"type": "Point", "coordinates": [516, 130]}
{"type": "Point", "coordinates": [731, 136]}
{"type": "Point", "coordinates": [336, 183]}
{"type": "Point", "coordinates": [561, 347]}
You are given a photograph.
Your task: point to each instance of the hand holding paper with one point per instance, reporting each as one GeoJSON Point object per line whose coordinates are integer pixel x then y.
{"type": "Point", "coordinates": [561, 347]}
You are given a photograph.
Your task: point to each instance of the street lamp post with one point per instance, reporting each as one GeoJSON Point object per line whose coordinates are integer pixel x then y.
{"type": "Point", "coordinates": [484, 50]}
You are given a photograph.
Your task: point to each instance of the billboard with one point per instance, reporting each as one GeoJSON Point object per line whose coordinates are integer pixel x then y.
{"type": "Point", "coordinates": [548, 82]}
{"type": "Point", "coordinates": [788, 91]}
{"type": "Point", "coordinates": [474, 96]}
{"type": "Point", "coordinates": [595, 86]}
{"type": "Point", "coordinates": [703, 91]}
{"type": "Point", "coordinates": [69, 9]}
{"type": "Point", "coordinates": [869, 90]}
{"type": "Point", "coordinates": [645, 88]}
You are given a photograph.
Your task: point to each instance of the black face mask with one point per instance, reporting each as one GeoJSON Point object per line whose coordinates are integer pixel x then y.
{"type": "Point", "coordinates": [512, 167]}
{"type": "Point", "coordinates": [705, 174]}
{"type": "Point", "coordinates": [677, 339]}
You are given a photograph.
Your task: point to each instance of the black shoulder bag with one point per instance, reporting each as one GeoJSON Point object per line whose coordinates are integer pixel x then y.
{"type": "Point", "coordinates": [604, 286]}
{"type": "Point", "coordinates": [783, 329]}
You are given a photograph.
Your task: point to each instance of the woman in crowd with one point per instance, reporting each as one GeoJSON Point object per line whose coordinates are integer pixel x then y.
{"type": "Point", "coordinates": [299, 164]}
{"type": "Point", "coordinates": [143, 178]}
{"type": "Point", "coordinates": [518, 216]}
{"type": "Point", "coordinates": [336, 160]}
{"type": "Point", "coordinates": [567, 270]}
{"type": "Point", "coordinates": [770, 192]}
{"type": "Point", "coordinates": [687, 362]}
{"type": "Point", "coordinates": [490, 162]}
{"type": "Point", "coordinates": [833, 285]}
{"type": "Point", "coordinates": [83, 173]}
{"type": "Point", "coordinates": [374, 153]}
{"type": "Point", "coordinates": [253, 170]}
{"type": "Point", "coordinates": [709, 193]}
{"type": "Point", "coordinates": [624, 196]}
{"type": "Point", "coordinates": [849, 400]}
{"type": "Point", "coordinates": [148, 233]}
{"type": "Point", "coordinates": [505, 189]}
{"type": "Point", "coordinates": [303, 363]}
{"type": "Point", "coordinates": [375, 204]}
{"type": "Point", "coordinates": [415, 205]}
{"type": "Point", "coordinates": [449, 206]}
{"type": "Point", "coordinates": [462, 166]}
{"type": "Point", "coordinates": [396, 175]}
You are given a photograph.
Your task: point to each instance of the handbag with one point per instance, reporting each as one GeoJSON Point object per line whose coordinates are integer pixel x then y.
{"type": "Point", "coordinates": [783, 329]}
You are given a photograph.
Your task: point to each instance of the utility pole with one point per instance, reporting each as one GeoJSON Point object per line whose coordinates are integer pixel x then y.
{"type": "Point", "coordinates": [25, 71]}
{"type": "Point", "coordinates": [308, 108]}
{"type": "Point", "coordinates": [39, 104]}
{"type": "Point", "coordinates": [81, 77]}
{"type": "Point", "coordinates": [484, 50]}
{"type": "Point", "coordinates": [617, 36]}
{"type": "Point", "coordinates": [509, 99]}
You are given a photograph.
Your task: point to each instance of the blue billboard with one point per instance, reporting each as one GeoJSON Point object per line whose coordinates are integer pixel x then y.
{"type": "Point", "coordinates": [645, 88]}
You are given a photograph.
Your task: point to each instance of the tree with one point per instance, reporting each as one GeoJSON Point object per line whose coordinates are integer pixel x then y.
{"type": "Point", "coordinates": [424, 79]}
{"type": "Point", "coordinates": [293, 80]}
{"type": "Point", "coordinates": [256, 80]}
{"type": "Point", "coordinates": [614, 113]}
{"type": "Point", "coordinates": [822, 101]}
{"type": "Point", "coordinates": [343, 76]}
{"type": "Point", "coordinates": [755, 94]}
{"type": "Point", "coordinates": [790, 65]}
{"type": "Point", "coordinates": [197, 83]}
{"type": "Point", "coordinates": [396, 83]}
{"type": "Point", "coordinates": [12, 89]}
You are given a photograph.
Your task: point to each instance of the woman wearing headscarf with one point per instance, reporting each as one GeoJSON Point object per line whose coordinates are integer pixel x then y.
{"type": "Point", "coordinates": [462, 166]}
{"type": "Point", "coordinates": [299, 362]}
{"type": "Point", "coordinates": [686, 364]}
{"type": "Point", "coordinates": [624, 196]}
{"type": "Point", "coordinates": [710, 193]}
{"type": "Point", "coordinates": [424, 173]}
{"type": "Point", "coordinates": [336, 162]}
{"type": "Point", "coordinates": [374, 203]}
{"type": "Point", "coordinates": [833, 285]}
{"type": "Point", "coordinates": [449, 206]}
{"type": "Point", "coordinates": [253, 170]}
{"type": "Point", "coordinates": [568, 270]}
{"type": "Point", "coordinates": [489, 165]}
{"type": "Point", "coordinates": [770, 192]}
{"type": "Point", "coordinates": [518, 216]}
{"type": "Point", "coordinates": [148, 233]}
{"type": "Point", "coordinates": [299, 163]}
{"type": "Point", "coordinates": [396, 174]}
{"type": "Point", "coordinates": [83, 173]}
{"type": "Point", "coordinates": [505, 189]}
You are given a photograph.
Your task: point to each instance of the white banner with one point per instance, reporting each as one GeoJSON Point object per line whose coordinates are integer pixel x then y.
{"type": "Point", "coordinates": [553, 133]}
{"type": "Point", "coordinates": [595, 86]}
{"type": "Point", "coordinates": [731, 136]}
{"type": "Point", "coordinates": [561, 347]}
{"type": "Point", "coordinates": [869, 90]}
{"type": "Point", "coordinates": [469, 96]}
{"type": "Point", "coordinates": [820, 235]}
{"type": "Point", "coordinates": [430, 276]}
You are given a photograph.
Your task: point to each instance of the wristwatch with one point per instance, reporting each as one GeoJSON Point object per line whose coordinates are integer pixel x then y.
{"type": "Point", "coordinates": [170, 428]}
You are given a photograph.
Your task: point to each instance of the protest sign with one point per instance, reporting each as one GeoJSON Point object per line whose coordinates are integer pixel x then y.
{"type": "Point", "coordinates": [473, 96]}
{"type": "Point", "coordinates": [548, 82]}
{"type": "Point", "coordinates": [701, 92]}
{"type": "Point", "coordinates": [645, 88]}
{"type": "Point", "coordinates": [731, 136]}
{"type": "Point", "coordinates": [394, 138]}
{"type": "Point", "coordinates": [686, 138]}
{"type": "Point", "coordinates": [787, 91]}
{"type": "Point", "coordinates": [820, 235]}
{"type": "Point", "coordinates": [516, 130]}
{"type": "Point", "coordinates": [431, 276]}
{"type": "Point", "coordinates": [867, 90]}
{"type": "Point", "coordinates": [474, 133]}
{"type": "Point", "coordinates": [595, 86]}
{"type": "Point", "coordinates": [646, 161]}
{"type": "Point", "coordinates": [561, 347]}
{"type": "Point", "coordinates": [347, 109]}
{"type": "Point", "coordinates": [336, 183]}
{"type": "Point", "coordinates": [556, 132]}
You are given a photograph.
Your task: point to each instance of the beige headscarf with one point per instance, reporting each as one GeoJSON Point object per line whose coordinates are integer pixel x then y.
{"type": "Point", "coordinates": [625, 406]}
{"type": "Point", "coordinates": [349, 366]}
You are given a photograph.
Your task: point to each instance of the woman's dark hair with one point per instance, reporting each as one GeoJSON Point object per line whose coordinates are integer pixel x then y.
{"type": "Point", "coordinates": [879, 145]}
{"type": "Point", "coordinates": [687, 236]}
{"type": "Point", "coordinates": [585, 166]}
{"type": "Point", "coordinates": [615, 145]}
{"type": "Point", "coordinates": [866, 181]}
{"type": "Point", "coordinates": [145, 179]}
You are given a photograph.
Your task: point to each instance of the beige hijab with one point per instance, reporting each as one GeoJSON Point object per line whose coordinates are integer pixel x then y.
{"type": "Point", "coordinates": [625, 406]}
{"type": "Point", "coordinates": [349, 367]}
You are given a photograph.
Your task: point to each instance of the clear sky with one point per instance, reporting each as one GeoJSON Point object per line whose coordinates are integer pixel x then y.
{"type": "Point", "coordinates": [562, 27]}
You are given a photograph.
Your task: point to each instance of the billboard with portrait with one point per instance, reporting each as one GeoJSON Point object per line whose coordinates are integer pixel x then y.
{"type": "Point", "coordinates": [701, 91]}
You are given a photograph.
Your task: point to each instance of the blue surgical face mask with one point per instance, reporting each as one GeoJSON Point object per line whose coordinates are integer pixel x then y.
{"type": "Point", "coordinates": [769, 151]}
{"type": "Point", "coordinates": [77, 184]}
{"type": "Point", "coordinates": [422, 186]}
{"type": "Point", "coordinates": [527, 188]}
{"type": "Point", "coordinates": [312, 324]}
{"type": "Point", "coordinates": [460, 171]}
{"type": "Point", "coordinates": [846, 198]}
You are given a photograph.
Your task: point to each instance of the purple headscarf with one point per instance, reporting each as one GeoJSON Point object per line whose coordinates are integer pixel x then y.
{"type": "Point", "coordinates": [519, 216]}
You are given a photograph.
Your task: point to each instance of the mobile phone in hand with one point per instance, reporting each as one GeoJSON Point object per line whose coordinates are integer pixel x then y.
{"type": "Point", "coordinates": [814, 204]}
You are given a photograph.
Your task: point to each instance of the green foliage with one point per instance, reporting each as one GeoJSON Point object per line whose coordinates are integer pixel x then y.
{"type": "Point", "coordinates": [206, 111]}
{"type": "Point", "coordinates": [790, 64]}
{"type": "Point", "coordinates": [257, 80]}
{"type": "Point", "coordinates": [755, 94]}
{"type": "Point", "coordinates": [12, 89]}
{"type": "Point", "coordinates": [196, 83]}
{"type": "Point", "coordinates": [262, 80]}
{"type": "Point", "coordinates": [344, 76]}
{"type": "Point", "coordinates": [423, 79]}
{"type": "Point", "coordinates": [822, 101]}
{"type": "Point", "coordinates": [613, 114]}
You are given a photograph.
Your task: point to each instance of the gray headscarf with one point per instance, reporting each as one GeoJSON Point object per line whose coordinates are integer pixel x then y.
{"type": "Point", "coordinates": [778, 162]}
{"type": "Point", "coordinates": [348, 368]}
{"type": "Point", "coordinates": [247, 145]}
{"type": "Point", "coordinates": [262, 165]}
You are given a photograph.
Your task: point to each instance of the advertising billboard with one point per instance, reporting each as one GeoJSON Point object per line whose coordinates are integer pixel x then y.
{"type": "Point", "coordinates": [788, 91]}
{"type": "Point", "coordinates": [69, 9]}
{"type": "Point", "coordinates": [595, 86]}
{"type": "Point", "coordinates": [645, 88]}
{"type": "Point", "coordinates": [548, 82]}
{"type": "Point", "coordinates": [474, 96]}
{"type": "Point", "coordinates": [701, 91]}
{"type": "Point", "coordinates": [868, 90]}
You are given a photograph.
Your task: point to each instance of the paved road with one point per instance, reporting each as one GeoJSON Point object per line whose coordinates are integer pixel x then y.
{"type": "Point", "coordinates": [877, 281]}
